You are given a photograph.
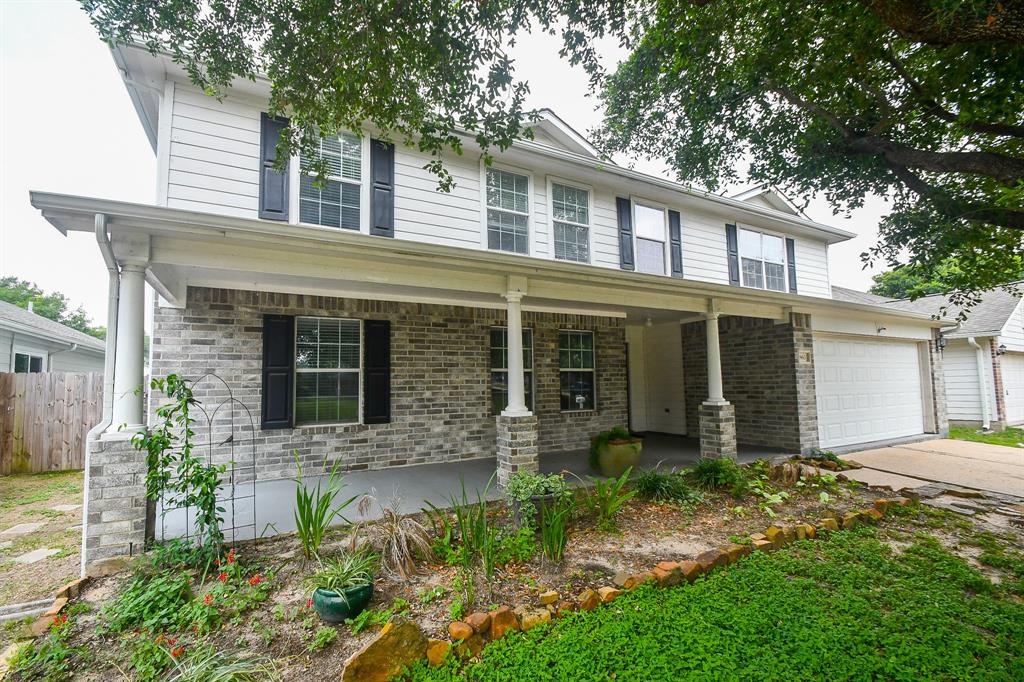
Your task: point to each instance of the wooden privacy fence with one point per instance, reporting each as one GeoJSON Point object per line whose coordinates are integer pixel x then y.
{"type": "Point", "coordinates": [44, 420]}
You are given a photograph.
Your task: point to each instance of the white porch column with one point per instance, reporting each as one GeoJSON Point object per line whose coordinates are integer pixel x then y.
{"type": "Point", "coordinates": [128, 359]}
{"type": "Point", "coordinates": [715, 393]}
{"type": "Point", "coordinates": [516, 384]}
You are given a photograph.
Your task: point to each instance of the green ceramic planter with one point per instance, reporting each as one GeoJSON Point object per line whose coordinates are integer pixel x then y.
{"type": "Point", "coordinates": [334, 609]}
{"type": "Point", "coordinates": [614, 457]}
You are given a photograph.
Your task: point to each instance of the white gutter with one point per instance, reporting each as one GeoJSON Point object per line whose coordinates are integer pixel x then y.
{"type": "Point", "coordinates": [979, 356]}
{"type": "Point", "coordinates": [72, 347]}
{"type": "Point", "coordinates": [113, 294]}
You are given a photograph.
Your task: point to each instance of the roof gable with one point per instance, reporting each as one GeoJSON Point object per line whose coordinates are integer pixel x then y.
{"type": "Point", "coordinates": [769, 197]}
{"type": "Point", "coordinates": [988, 318]}
{"type": "Point", "coordinates": [554, 132]}
{"type": "Point", "coordinates": [18, 319]}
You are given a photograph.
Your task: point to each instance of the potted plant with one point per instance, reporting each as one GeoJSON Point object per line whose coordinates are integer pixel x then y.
{"type": "Point", "coordinates": [614, 451]}
{"type": "Point", "coordinates": [343, 586]}
{"type": "Point", "coordinates": [527, 491]}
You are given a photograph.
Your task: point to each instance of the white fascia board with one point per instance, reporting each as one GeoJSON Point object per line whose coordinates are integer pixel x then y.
{"type": "Point", "coordinates": [73, 213]}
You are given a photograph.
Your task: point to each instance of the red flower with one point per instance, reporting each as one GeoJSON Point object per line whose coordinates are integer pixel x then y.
{"type": "Point", "coordinates": [171, 641]}
{"type": "Point", "coordinates": [159, 639]}
{"type": "Point", "coordinates": [255, 580]}
{"type": "Point", "coordinates": [208, 599]}
{"type": "Point", "coordinates": [309, 603]}
{"type": "Point", "coordinates": [216, 562]}
{"type": "Point", "coordinates": [177, 652]}
{"type": "Point", "coordinates": [231, 557]}
{"type": "Point", "coordinates": [223, 577]}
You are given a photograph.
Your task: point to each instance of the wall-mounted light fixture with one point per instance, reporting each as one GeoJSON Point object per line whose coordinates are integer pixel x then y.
{"type": "Point", "coordinates": [941, 342]}
{"type": "Point", "coordinates": [1001, 349]}
{"type": "Point", "coordinates": [648, 322]}
{"type": "Point", "coordinates": [880, 330]}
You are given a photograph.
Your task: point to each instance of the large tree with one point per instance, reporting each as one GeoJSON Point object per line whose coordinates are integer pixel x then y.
{"type": "Point", "coordinates": [917, 100]}
{"type": "Point", "coordinates": [53, 306]}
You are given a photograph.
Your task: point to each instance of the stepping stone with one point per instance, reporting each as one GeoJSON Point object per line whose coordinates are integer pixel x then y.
{"type": "Point", "coordinates": [6, 543]}
{"type": "Point", "coordinates": [35, 555]}
{"type": "Point", "coordinates": [22, 529]}
{"type": "Point", "coordinates": [66, 507]}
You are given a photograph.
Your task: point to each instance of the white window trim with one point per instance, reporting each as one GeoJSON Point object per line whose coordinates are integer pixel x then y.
{"type": "Point", "coordinates": [667, 256]}
{"type": "Point", "coordinates": [530, 369]}
{"type": "Point", "coordinates": [592, 370]}
{"type": "Point", "coordinates": [296, 370]}
{"type": "Point", "coordinates": [295, 171]}
{"type": "Point", "coordinates": [31, 353]}
{"type": "Point", "coordinates": [764, 275]}
{"type": "Point", "coordinates": [530, 197]}
{"type": "Point", "coordinates": [551, 182]}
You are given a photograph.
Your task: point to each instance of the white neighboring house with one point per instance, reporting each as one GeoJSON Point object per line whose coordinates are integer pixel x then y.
{"type": "Point", "coordinates": [33, 343]}
{"type": "Point", "coordinates": [984, 356]}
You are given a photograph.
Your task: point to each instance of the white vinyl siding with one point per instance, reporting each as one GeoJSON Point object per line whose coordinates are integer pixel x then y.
{"type": "Point", "coordinates": [963, 389]}
{"type": "Point", "coordinates": [1012, 365]}
{"type": "Point", "coordinates": [1012, 334]}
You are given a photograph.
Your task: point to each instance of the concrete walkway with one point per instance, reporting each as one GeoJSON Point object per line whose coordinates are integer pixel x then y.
{"type": "Point", "coordinates": [991, 468]}
{"type": "Point", "coordinates": [269, 509]}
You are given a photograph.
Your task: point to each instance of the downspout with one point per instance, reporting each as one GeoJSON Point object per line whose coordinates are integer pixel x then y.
{"type": "Point", "coordinates": [72, 347]}
{"type": "Point", "coordinates": [113, 292]}
{"type": "Point", "coordinates": [986, 421]}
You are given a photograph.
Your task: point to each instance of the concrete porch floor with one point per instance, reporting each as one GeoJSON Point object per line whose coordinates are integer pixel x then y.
{"type": "Point", "coordinates": [415, 486]}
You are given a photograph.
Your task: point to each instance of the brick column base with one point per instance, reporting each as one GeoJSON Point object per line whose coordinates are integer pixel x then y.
{"type": "Point", "coordinates": [717, 430]}
{"type": "Point", "coordinates": [517, 446]}
{"type": "Point", "coordinates": [115, 514]}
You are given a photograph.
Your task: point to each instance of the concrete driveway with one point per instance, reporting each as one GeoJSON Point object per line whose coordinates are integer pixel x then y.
{"type": "Point", "coordinates": [992, 468]}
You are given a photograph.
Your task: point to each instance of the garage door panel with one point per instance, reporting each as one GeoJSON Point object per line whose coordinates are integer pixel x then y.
{"type": "Point", "coordinates": [1012, 366]}
{"type": "Point", "coordinates": [868, 390]}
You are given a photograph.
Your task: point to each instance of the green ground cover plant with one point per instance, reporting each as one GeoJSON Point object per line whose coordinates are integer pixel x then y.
{"type": "Point", "coordinates": [846, 607]}
{"type": "Point", "coordinates": [1010, 436]}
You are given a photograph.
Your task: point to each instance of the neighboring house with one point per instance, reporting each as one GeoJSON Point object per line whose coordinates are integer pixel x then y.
{"type": "Point", "coordinates": [984, 356]}
{"type": "Point", "coordinates": [377, 322]}
{"type": "Point", "coordinates": [32, 343]}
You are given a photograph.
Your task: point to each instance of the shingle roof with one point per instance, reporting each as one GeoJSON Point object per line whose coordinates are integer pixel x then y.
{"type": "Point", "coordinates": [987, 318]}
{"type": "Point", "coordinates": [853, 296]}
{"type": "Point", "coordinates": [46, 327]}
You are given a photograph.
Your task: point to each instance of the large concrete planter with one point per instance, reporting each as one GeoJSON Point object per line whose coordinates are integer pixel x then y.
{"type": "Point", "coordinates": [615, 456]}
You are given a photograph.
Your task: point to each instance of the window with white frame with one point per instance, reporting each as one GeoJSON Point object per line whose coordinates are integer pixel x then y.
{"type": "Point", "coordinates": [762, 260]}
{"type": "Point", "coordinates": [499, 368]}
{"type": "Point", "coordinates": [650, 239]}
{"type": "Point", "coordinates": [26, 363]}
{"type": "Point", "coordinates": [576, 370]}
{"type": "Point", "coordinates": [335, 202]}
{"type": "Point", "coordinates": [327, 368]}
{"type": "Point", "coordinates": [570, 211]}
{"type": "Point", "coordinates": [508, 211]}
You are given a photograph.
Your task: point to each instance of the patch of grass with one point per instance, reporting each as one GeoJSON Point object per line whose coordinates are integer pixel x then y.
{"type": "Point", "coordinates": [920, 614]}
{"type": "Point", "coordinates": [1010, 436]}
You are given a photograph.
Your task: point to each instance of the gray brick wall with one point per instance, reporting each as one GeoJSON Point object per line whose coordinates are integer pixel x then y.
{"type": "Point", "coordinates": [440, 378]}
{"type": "Point", "coordinates": [938, 376]}
{"type": "Point", "coordinates": [116, 509]}
{"type": "Point", "coordinates": [767, 374]}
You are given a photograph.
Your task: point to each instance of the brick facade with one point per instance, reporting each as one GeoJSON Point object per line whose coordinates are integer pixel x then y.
{"type": "Point", "coordinates": [440, 379]}
{"type": "Point", "coordinates": [717, 430]}
{"type": "Point", "coordinates": [517, 446]}
{"type": "Point", "coordinates": [997, 383]}
{"type": "Point", "coordinates": [938, 377]}
{"type": "Point", "coordinates": [115, 509]}
{"type": "Point", "coordinates": [767, 375]}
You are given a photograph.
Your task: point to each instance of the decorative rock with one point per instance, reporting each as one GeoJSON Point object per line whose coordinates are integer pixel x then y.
{"type": "Point", "coordinates": [634, 581]}
{"type": "Point", "coordinates": [776, 535]}
{"type": "Point", "coordinates": [566, 606]}
{"type": "Point", "coordinates": [805, 532]}
{"type": "Point", "coordinates": [549, 597]}
{"type": "Point", "coordinates": [589, 599]}
{"type": "Point", "coordinates": [437, 651]}
{"type": "Point", "coordinates": [828, 524]}
{"type": "Point", "coordinates": [754, 537]}
{"type": "Point", "coordinates": [735, 552]}
{"type": "Point", "coordinates": [691, 570]}
{"type": "Point", "coordinates": [469, 647]}
{"type": "Point", "coordinates": [871, 515]}
{"type": "Point", "coordinates": [850, 520]}
{"type": "Point", "coordinates": [711, 559]}
{"type": "Point", "coordinates": [502, 621]}
{"type": "Point", "coordinates": [882, 505]}
{"type": "Point", "coordinates": [764, 545]}
{"type": "Point", "coordinates": [901, 501]}
{"type": "Point", "coordinates": [531, 618]}
{"type": "Point", "coordinates": [72, 589]}
{"type": "Point", "coordinates": [459, 630]}
{"type": "Point", "coordinates": [607, 594]}
{"type": "Point", "coordinates": [398, 644]}
{"type": "Point", "coordinates": [789, 533]}
{"type": "Point", "coordinates": [56, 606]}
{"type": "Point", "coordinates": [480, 622]}
{"type": "Point", "coordinates": [668, 574]}
{"type": "Point", "coordinates": [41, 625]}
{"type": "Point", "coordinates": [109, 566]}
{"type": "Point", "coordinates": [620, 578]}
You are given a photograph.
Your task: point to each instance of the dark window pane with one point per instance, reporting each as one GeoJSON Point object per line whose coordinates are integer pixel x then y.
{"type": "Point", "coordinates": [21, 363]}
{"type": "Point", "coordinates": [577, 390]}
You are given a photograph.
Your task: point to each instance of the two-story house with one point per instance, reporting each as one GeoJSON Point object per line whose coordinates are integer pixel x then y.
{"type": "Point", "coordinates": [378, 322]}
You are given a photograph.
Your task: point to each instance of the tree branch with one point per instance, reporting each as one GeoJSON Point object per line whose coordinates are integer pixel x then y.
{"type": "Point", "coordinates": [955, 209]}
{"type": "Point", "coordinates": [988, 164]}
{"type": "Point", "coordinates": [919, 20]}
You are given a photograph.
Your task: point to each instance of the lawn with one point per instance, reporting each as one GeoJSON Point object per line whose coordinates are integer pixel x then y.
{"type": "Point", "coordinates": [850, 607]}
{"type": "Point", "coordinates": [1011, 436]}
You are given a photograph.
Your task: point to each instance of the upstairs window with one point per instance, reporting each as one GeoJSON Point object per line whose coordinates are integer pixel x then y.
{"type": "Point", "coordinates": [499, 368]}
{"type": "Point", "coordinates": [576, 370]}
{"type": "Point", "coordinates": [327, 367]}
{"type": "Point", "coordinates": [508, 211]}
{"type": "Point", "coordinates": [650, 239]}
{"type": "Point", "coordinates": [336, 202]}
{"type": "Point", "coordinates": [570, 210]}
{"type": "Point", "coordinates": [762, 260]}
{"type": "Point", "coordinates": [24, 363]}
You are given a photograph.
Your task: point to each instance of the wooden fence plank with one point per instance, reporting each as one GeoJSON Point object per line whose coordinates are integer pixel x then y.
{"type": "Point", "coordinates": [45, 418]}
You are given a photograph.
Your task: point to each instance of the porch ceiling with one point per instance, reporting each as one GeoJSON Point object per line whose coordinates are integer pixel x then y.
{"type": "Point", "coordinates": [187, 248]}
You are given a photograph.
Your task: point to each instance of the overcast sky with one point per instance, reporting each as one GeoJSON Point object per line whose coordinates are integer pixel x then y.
{"type": "Point", "coordinates": [67, 125]}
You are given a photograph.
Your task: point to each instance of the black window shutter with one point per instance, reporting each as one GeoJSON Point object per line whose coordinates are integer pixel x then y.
{"type": "Point", "coordinates": [278, 371]}
{"type": "Point", "coordinates": [273, 183]}
{"type": "Point", "coordinates": [376, 372]}
{"type": "Point", "coordinates": [382, 172]}
{"type": "Point", "coordinates": [675, 238]}
{"type": "Point", "coordinates": [732, 244]}
{"type": "Point", "coordinates": [791, 263]}
{"type": "Point", "coordinates": [625, 213]}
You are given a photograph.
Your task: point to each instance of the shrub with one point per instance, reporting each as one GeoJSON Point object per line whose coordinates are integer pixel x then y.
{"type": "Point", "coordinates": [49, 658]}
{"type": "Point", "coordinates": [608, 498]}
{"type": "Point", "coordinates": [554, 523]}
{"type": "Point", "coordinates": [514, 545]}
{"type": "Point", "coordinates": [616, 433]}
{"type": "Point", "coordinates": [315, 508]}
{"type": "Point", "coordinates": [525, 485]}
{"type": "Point", "coordinates": [719, 473]}
{"type": "Point", "coordinates": [666, 487]}
{"type": "Point", "coordinates": [155, 603]}
{"type": "Point", "coordinates": [398, 538]}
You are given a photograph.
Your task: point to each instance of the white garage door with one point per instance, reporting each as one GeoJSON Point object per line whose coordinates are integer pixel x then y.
{"type": "Point", "coordinates": [1012, 365]}
{"type": "Point", "coordinates": [867, 390]}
